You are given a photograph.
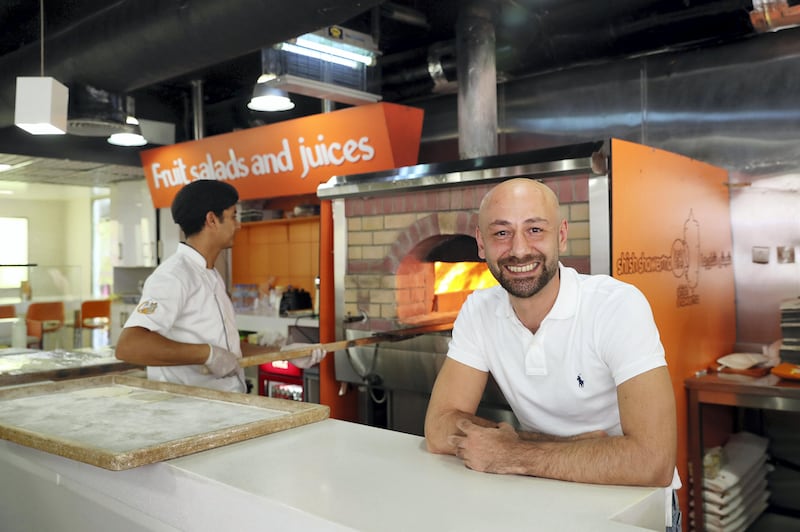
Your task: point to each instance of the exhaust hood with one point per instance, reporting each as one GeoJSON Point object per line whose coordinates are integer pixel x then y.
{"type": "Point", "coordinates": [550, 162]}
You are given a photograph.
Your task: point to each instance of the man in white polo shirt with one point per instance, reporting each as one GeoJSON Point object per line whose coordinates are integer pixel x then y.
{"type": "Point", "coordinates": [577, 357]}
{"type": "Point", "coordinates": [184, 328]}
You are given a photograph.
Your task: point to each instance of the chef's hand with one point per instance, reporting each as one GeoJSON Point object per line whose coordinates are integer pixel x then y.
{"type": "Point", "coordinates": [314, 358]}
{"type": "Point", "coordinates": [221, 362]}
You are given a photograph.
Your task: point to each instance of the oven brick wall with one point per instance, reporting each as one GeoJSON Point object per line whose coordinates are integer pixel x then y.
{"type": "Point", "coordinates": [383, 231]}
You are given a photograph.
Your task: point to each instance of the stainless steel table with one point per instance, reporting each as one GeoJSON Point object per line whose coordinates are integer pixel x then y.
{"type": "Point", "coordinates": [766, 393]}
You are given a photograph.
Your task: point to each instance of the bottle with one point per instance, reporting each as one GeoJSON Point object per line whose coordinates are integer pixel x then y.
{"type": "Point", "coordinates": [19, 334]}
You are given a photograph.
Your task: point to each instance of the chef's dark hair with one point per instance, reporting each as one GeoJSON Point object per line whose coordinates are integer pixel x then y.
{"type": "Point", "coordinates": [198, 198]}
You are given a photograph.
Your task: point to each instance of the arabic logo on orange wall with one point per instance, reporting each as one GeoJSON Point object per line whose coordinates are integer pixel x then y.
{"type": "Point", "coordinates": [685, 261]}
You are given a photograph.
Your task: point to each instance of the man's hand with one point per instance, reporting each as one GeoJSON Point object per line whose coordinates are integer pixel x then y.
{"type": "Point", "coordinates": [221, 362]}
{"type": "Point", "coordinates": [314, 358]}
{"type": "Point", "coordinates": [485, 449]}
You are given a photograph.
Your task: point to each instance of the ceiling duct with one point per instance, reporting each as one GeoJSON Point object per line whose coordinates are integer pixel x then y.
{"type": "Point", "coordinates": [477, 75]}
{"type": "Point", "coordinates": [129, 45]}
{"type": "Point", "coordinates": [733, 105]}
{"type": "Point", "coordinates": [95, 112]}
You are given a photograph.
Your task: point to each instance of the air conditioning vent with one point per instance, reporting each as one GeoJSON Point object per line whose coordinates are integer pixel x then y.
{"type": "Point", "coordinates": [89, 127]}
{"type": "Point", "coordinates": [95, 112]}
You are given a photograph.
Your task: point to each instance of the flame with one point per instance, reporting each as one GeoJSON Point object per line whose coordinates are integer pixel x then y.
{"type": "Point", "coordinates": [462, 276]}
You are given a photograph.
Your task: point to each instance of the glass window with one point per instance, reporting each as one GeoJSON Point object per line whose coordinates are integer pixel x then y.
{"type": "Point", "coordinates": [102, 268]}
{"type": "Point", "coordinates": [13, 251]}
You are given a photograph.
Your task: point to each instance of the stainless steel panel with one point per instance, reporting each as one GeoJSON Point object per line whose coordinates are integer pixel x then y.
{"type": "Point", "coordinates": [564, 160]}
{"type": "Point", "coordinates": [599, 225]}
{"type": "Point", "coordinates": [410, 365]}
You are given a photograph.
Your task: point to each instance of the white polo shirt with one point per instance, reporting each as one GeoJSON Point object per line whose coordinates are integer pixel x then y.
{"type": "Point", "coordinates": [563, 379]}
{"type": "Point", "coordinates": [186, 302]}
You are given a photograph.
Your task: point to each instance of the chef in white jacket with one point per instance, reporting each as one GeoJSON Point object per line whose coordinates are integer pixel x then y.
{"type": "Point", "coordinates": [184, 328]}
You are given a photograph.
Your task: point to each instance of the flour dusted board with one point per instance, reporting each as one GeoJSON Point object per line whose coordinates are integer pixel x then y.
{"type": "Point", "coordinates": [21, 366]}
{"type": "Point", "coordinates": [117, 422]}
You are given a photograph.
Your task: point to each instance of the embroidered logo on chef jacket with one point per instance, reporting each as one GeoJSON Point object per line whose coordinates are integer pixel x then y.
{"type": "Point", "coordinates": [147, 307]}
{"type": "Point", "coordinates": [580, 380]}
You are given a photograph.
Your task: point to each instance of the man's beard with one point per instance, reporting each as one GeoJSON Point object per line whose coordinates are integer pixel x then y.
{"type": "Point", "coordinates": [529, 286]}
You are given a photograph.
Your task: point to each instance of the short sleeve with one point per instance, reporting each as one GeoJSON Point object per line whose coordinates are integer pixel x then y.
{"type": "Point", "coordinates": [466, 344]}
{"type": "Point", "coordinates": [626, 332]}
{"type": "Point", "coordinates": [162, 296]}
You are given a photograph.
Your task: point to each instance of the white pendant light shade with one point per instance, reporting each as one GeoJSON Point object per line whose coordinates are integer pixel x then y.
{"type": "Point", "coordinates": [266, 98]}
{"type": "Point", "coordinates": [41, 106]}
{"type": "Point", "coordinates": [131, 136]}
{"type": "Point", "coordinates": [127, 139]}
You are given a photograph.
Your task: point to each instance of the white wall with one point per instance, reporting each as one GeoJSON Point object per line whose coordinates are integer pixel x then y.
{"type": "Point", "coordinates": [79, 241]}
{"type": "Point", "coordinates": [764, 217]}
{"type": "Point", "coordinates": [59, 233]}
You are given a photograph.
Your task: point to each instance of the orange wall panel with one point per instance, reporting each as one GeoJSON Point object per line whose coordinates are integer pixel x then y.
{"type": "Point", "coordinates": [671, 237]}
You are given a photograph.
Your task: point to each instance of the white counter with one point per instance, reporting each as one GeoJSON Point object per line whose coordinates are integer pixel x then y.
{"type": "Point", "coordinates": [330, 475]}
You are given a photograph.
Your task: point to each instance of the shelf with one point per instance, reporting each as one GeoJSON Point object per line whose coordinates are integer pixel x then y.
{"type": "Point", "coordinates": [281, 221]}
{"type": "Point", "coordinates": [284, 251]}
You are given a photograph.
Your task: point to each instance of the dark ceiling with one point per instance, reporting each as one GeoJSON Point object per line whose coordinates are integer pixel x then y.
{"type": "Point", "coordinates": [154, 49]}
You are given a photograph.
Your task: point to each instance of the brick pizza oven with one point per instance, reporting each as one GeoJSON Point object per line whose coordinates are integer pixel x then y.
{"type": "Point", "coordinates": [390, 231]}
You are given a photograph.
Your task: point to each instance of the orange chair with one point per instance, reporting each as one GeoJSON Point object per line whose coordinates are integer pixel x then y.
{"type": "Point", "coordinates": [96, 315]}
{"type": "Point", "coordinates": [43, 318]}
{"type": "Point", "coordinates": [8, 311]}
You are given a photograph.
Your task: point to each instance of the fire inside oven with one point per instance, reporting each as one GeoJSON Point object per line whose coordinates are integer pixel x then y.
{"type": "Point", "coordinates": [436, 277]}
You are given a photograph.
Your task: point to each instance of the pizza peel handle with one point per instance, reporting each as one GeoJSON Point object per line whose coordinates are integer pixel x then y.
{"type": "Point", "coordinates": [256, 357]}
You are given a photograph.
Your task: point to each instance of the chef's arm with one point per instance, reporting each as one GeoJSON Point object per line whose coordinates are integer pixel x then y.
{"type": "Point", "coordinates": [644, 455]}
{"type": "Point", "coordinates": [137, 345]}
{"type": "Point", "coordinates": [456, 394]}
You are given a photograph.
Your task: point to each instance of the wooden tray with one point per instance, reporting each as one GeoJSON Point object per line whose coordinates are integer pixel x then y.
{"type": "Point", "coordinates": [119, 422]}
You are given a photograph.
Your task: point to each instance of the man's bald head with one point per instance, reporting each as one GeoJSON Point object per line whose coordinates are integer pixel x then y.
{"type": "Point", "coordinates": [518, 191]}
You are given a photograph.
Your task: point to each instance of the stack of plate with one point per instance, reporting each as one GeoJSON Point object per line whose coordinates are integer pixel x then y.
{"type": "Point", "coordinates": [736, 492]}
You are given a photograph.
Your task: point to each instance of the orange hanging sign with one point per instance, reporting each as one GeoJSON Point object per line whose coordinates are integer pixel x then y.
{"type": "Point", "coordinates": [292, 157]}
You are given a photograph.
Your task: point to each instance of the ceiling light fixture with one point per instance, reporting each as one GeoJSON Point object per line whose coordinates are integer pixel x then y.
{"type": "Point", "coordinates": [325, 91]}
{"type": "Point", "coordinates": [335, 45]}
{"type": "Point", "coordinates": [331, 64]}
{"type": "Point", "coordinates": [41, 102]}
{"type": "Point", "coordinates": [269, 98]}
{"type": "Point", "coordinates": [131, 136]}
{"type": "Point", "coordinates": [317, 54]}
{"type": "Point", "coordinates": [338, 49]}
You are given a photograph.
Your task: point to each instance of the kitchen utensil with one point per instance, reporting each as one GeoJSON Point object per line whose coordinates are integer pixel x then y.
{"type": "Point", "coordinates": [256, 357]}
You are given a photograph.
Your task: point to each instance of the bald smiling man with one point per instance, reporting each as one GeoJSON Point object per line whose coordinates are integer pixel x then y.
{"type": "Point", "coordinates": [578, 358]}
